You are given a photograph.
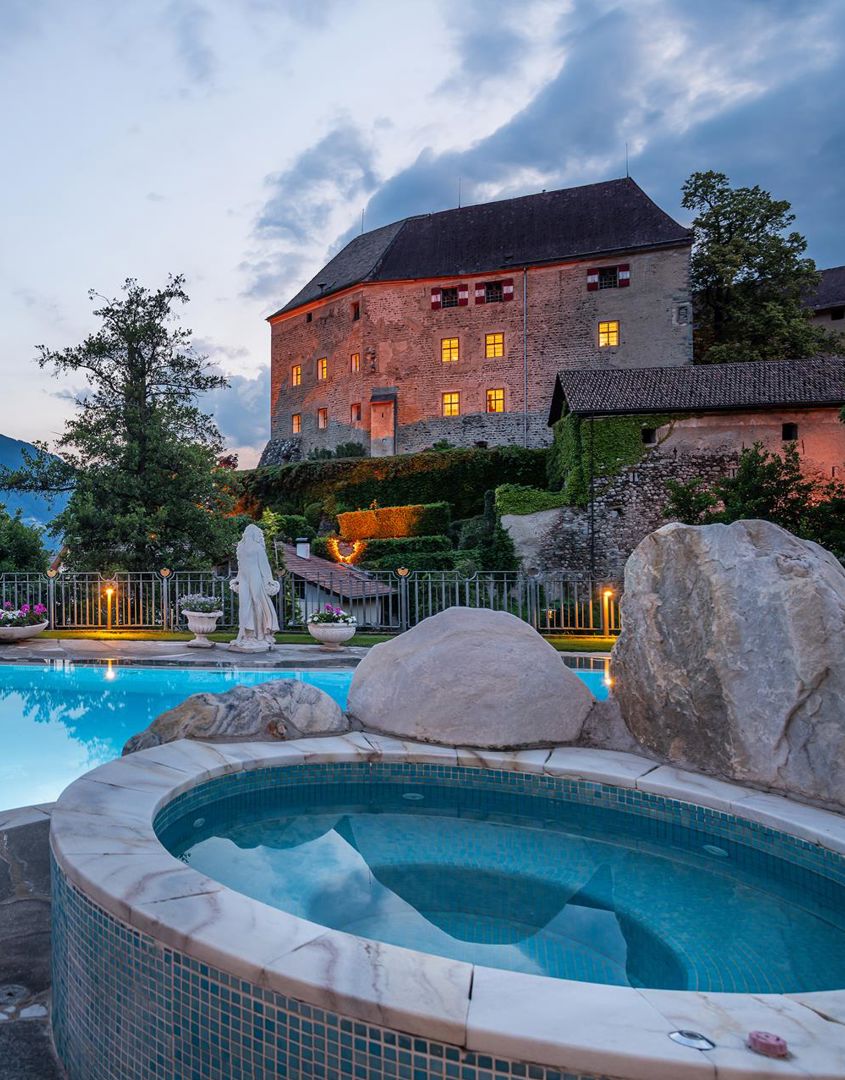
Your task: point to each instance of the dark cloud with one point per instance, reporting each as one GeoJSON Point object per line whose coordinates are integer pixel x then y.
{"type": "Point", "coordinates": [242, 410]}
{"type": "Point", "coordinates": [190, 22]}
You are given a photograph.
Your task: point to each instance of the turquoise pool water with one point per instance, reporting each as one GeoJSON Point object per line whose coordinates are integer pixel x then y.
{"type": "Point", "coordinates": [588, 886]}
{"type": "Point", "coordinates": [58, 722]}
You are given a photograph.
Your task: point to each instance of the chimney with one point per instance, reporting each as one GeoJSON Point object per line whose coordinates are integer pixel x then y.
{"type": "Point", "coordinates": [303, 547]}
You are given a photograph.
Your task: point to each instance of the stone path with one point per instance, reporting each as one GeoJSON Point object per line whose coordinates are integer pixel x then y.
{"type": "Point", "coordinates": [175, 654]}
{"type": "Point", "coordinates": [26, 1044]}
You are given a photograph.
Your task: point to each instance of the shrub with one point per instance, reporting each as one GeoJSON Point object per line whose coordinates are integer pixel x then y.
{"type": "Point", "coordinates": [387, 522]}
{"type": "Point", "coordinates": [313, 514]}
{"type": "Point", "coordinates": [350, 450]}
{"type": "Point", "coordinates": [405, 545]}
{"type": "Point", "coordinates": [419, 560]}
{"type": "Point", "coordinates": [517, 499]}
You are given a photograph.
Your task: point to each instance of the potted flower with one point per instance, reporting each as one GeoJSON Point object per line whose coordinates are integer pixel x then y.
{"type": "Point", "coordinates": [23, 622]}
{"type": "Point", "coordinates": [331, 626]}
{"type": "Point", "coordinates": [202, 613]}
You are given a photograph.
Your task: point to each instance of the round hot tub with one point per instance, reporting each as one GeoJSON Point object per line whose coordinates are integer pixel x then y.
{"type": "Point", "coordinates": [363, 907]}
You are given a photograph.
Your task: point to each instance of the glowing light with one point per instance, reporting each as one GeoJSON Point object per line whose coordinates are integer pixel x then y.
{"type": "Point", "coordinates": [345, 551]}
{"type": "Point", "coordinates": [110, 591]}
{"type": "Point", "coordinates": [608, 593]}
{"type": "Point", "coordinates": [110, 673]}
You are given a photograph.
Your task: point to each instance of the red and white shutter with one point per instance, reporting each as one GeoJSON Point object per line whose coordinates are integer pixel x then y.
{"type": "Point", "coordinates": [435, 299]}
{"type": "Point", "coordinates": [463, 295]}
{"type": "Point", "coordinates": [507, 289]}
{"type": "Point", "coordinates": [623, 275]}
{"type": "Point", "coordinates": [593, 280]}
{"type": "Point", "coordinates": [480, 292]}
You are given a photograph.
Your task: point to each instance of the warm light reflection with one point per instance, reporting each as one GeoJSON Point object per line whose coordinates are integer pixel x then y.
{"type": "Point", "coordinates": [345, 551]}
{"type": "Point", "coordinates": [110, 673]}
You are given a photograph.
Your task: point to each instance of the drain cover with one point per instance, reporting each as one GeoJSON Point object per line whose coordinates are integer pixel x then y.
{"type": "Point", "coordinates": [412, 796]}
{"type": "Point", "coordinates": [719, 852]}
{"type": "Point", "coordinates": [692, 1038]}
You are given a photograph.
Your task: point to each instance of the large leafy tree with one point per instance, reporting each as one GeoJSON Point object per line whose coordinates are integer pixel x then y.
{"type": "Point", "coordinates": [748, 274]}
{"type": "Point", "coordinates": [138, 456]}
{"type": "Point", "coordinates": [21, 545]}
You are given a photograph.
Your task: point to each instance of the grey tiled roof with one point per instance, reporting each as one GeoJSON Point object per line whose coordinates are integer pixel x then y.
{"type": "Point", "coordinates": [340, 579]}
{"type": "Point", "coordinates": [831, 290]}
{"type": "Point", "coordinates": [704, 387]}
{"type": "Point", "coordinates": [592, 220]}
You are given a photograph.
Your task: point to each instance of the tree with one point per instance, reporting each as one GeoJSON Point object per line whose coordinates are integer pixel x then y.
{"type": "Point", "coordinates": [21, 545]}
{"type": "Point", "coordinates": [138, 456]}
{"type": "Point", "coordinates": [748, 275]}
{"type": "Point", "coordinates": [769, 486]}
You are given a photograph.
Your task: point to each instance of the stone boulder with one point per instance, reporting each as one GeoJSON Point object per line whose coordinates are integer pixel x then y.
{"type": "Point", "coordinates": [469, 677]}
{"type": "Point", "coordinates": [278, 709]}
{"type": "Point", "coordinates": [732, 656]}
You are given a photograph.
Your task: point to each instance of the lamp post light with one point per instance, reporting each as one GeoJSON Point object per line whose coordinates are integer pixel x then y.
{"type": "Point", "coordinates": [606, 597]}
{"type": "Point", "coordinates": [109, 595]}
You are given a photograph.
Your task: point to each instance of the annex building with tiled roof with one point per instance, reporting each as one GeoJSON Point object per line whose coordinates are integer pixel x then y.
{"type": "Point", "coordinates": [453, 325]}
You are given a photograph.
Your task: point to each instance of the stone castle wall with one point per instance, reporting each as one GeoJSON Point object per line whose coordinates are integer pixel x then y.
{"type": "Point", "coordinates": [398, 341]}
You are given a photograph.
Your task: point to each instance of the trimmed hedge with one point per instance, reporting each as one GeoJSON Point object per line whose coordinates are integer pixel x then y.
{"type": "Point", "coordinates": [389, 522]}
{"type": "Point", "coordinates": [407, 479]}
{"type": "Point", "coordinates": [516, 499]}
{"type": "Point", "coordinates": [404, 545]}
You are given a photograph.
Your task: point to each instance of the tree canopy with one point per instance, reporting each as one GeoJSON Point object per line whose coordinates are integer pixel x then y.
{"type": "Point", "coordinates": [21, 545]}
{"type": "Point", "coordinates": [748, 275]}
{"type": "Point", "coordinates": [139, 456]}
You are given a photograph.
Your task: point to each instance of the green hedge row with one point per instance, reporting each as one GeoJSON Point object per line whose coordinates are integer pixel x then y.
{"type": "Point", "coordinates": [461, 476]}
{"type": "Point", "coordinates": [516, 499]}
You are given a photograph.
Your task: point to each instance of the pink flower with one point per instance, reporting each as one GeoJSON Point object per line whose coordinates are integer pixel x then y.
{"type": "Point", "coordinates": [24, 609]}
{"type": "Point", "coordinates": [39, 609]}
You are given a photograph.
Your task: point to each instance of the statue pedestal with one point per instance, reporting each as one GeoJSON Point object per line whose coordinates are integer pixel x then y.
{"type": "Point", "coordinates": [253, 646]}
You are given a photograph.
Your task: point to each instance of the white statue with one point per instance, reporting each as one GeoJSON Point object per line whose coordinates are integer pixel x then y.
{"type": "Point", "coordinates": [254, 584]}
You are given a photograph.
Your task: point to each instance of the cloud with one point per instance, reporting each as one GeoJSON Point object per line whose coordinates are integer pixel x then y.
{"type": "Point", "coordinates": [190, 22]}
{"type": "Point", "coordinates": [242, 410]}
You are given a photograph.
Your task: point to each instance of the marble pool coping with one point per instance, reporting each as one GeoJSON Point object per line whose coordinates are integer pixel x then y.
{"type": "Point", "coordinates": [103, 841]}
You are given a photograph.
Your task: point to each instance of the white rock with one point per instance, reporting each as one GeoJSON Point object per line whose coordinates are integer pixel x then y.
{"type": "Point", "coordinates": [732, 655]}
{"type": "Point", "coordinates": [469, 677]}
{"type": "Point", "coordinates": [277, 709]}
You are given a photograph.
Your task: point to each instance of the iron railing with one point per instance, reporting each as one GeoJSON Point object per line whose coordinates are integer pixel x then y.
{"type": "Point", "coordinates": [385, 601]}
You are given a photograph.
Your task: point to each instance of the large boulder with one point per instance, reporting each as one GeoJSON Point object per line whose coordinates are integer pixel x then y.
{"type": "Point", "coordinates": [469, 677]}
{"type": "Point", "coordinates": [277, 709]}
{"type": "Point", "coordinates": [732, 655]}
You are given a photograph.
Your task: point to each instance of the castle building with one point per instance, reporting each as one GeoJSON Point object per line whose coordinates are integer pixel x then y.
{"type": "Point", "coordinates": [453, 326]}
{"type": "Point", "coordinates": [828, 301]}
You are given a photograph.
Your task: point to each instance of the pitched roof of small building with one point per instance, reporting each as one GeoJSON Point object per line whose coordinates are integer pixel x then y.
{"type": "Point", "coordinates": [831, 290]}
{"type": "Point", "coordinates": [762, 384]}
{"type": "Point", "coordinates": [592, 220]}
{"type": "Point", "coordinates": [341, 579]}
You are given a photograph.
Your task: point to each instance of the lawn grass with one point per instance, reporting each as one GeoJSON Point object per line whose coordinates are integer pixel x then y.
{"type": "Point", "coordinates": [561, 642]}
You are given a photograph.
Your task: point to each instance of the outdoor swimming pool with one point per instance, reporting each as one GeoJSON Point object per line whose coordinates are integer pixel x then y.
{"type": "Point", "coordinates": [57, 722]}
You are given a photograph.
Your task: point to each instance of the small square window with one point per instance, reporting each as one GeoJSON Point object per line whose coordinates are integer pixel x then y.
{"type": "Point", "coordinates": [322, 369]}
{"type": "Point", "coordinates": [494, 345]}
{"type": "Point", "coordinates": [449, 350]}
{"type": "Point", "coordinates": [355, 413]}
{"type": "Point", "coordinates": [608, 334]}
{"type": "Point", "coordinates": [608, 277]}
{"type": "Point", "coordinates": [356, 311]}
{"type": "Point", "coordinates": [296, 423]}
{"type": "Point", "coordinates": [309, 316]}
{"type": "Point", "coordinates": [449, 297]}
{"type": "Point", "coordinates": [683, 315]}
{"type": "Point", "coordinates": [452, 404]}
{"type": "Point", "coordinates": [649, 436]}
{"type": "Point", "coordinates": [355, 362]}
{"type": "Point", "coordinates": [837, 313]}
{"type": "Point", "coordinates": [493, 292]}
{"type": "Point", "coordinates": [322, 419]}
{"type": "Point", "coordinates": [495, 401]}
{"type": "Point", "coordinates": [296, 375]}
{"type": "Point", "coordinates": [789, 432]}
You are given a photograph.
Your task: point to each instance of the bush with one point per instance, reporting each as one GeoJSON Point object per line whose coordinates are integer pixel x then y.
{"type": "Point", "coordinates": [313, 514]}
{"type": "Point", "coordinates": [405, 545]}
{"type": "Point", "coordinates": [462, 476]}
{"type": "Point", "coordinates": [388, 522]}
{"type": "Point", "coordinates": [517, 499]}
{"type": "Point", "coordinates": [350, 450]}
{"type": "Point", "coordinates": [419, 560]}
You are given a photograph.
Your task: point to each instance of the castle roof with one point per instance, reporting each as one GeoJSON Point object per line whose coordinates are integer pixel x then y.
{"type": "Point", "coordinates": [760, 384]}
{"type": "Point", "coordinates": [831, 290]}
{"type": "Point", "coordinates": [591, 221]}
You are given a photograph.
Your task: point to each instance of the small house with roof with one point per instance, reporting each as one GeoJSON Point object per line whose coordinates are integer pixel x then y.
{"type": "Point", "coordinates": [316, 582]}
{"type": "Point", "coordinates": [828, 301]}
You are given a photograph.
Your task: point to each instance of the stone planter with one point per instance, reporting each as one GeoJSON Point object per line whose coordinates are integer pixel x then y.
{"type": "Point", "coordinates": [331, 635]}
{"type": "Point", "coordinates": [202, 623]}
{"type": "Point", "coordinates": [21, 633]}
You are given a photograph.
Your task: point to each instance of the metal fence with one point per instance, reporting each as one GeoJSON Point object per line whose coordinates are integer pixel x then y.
{"type": "Point", "coordinates": [385, 601]}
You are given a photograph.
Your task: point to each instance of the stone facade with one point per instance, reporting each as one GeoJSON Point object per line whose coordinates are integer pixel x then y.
{"type": "Point", "coordinates": [630, 506]}
{"type": "Point", "coordinates": [551, 323]}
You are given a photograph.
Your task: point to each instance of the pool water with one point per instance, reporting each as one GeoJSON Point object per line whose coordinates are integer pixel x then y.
{"type": "Point", "coordinates": [542, 885]}
{"type": "Point", "coordinates": [59, 721]}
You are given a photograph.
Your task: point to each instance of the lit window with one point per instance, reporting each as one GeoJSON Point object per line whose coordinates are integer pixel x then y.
{"type": "Point", "coordinates": [608, 334]}
{"type": "Point", "coordinates": [495, 401]}
{"type": "Point", "coordinates": [452, 404]}
{"type": "Point", "coordinates": [322, 418]}
{"type": "Point", "coordinates": [355, 362]}
{"type": "Point", "coordinates": [608, 277]}
{"type": "Point", "coordinates": [449, 350]}
{"type": "Point", "coordinates": [494, 345]}
{"type": "Point", "coordinates": [356, 311]}
{"type": "Point", "coordinates": [296, 375]}
{"type": "Point", "coordinates": [493, 292]}
{"type": "Point", "coordinates": [296, 423]}
{"type": "Point", "coordinates": [322, 369]}
{"type": "Point", "coordinates": [449, 297]}
{"type": "Point", "coordinates": [355, 413]}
